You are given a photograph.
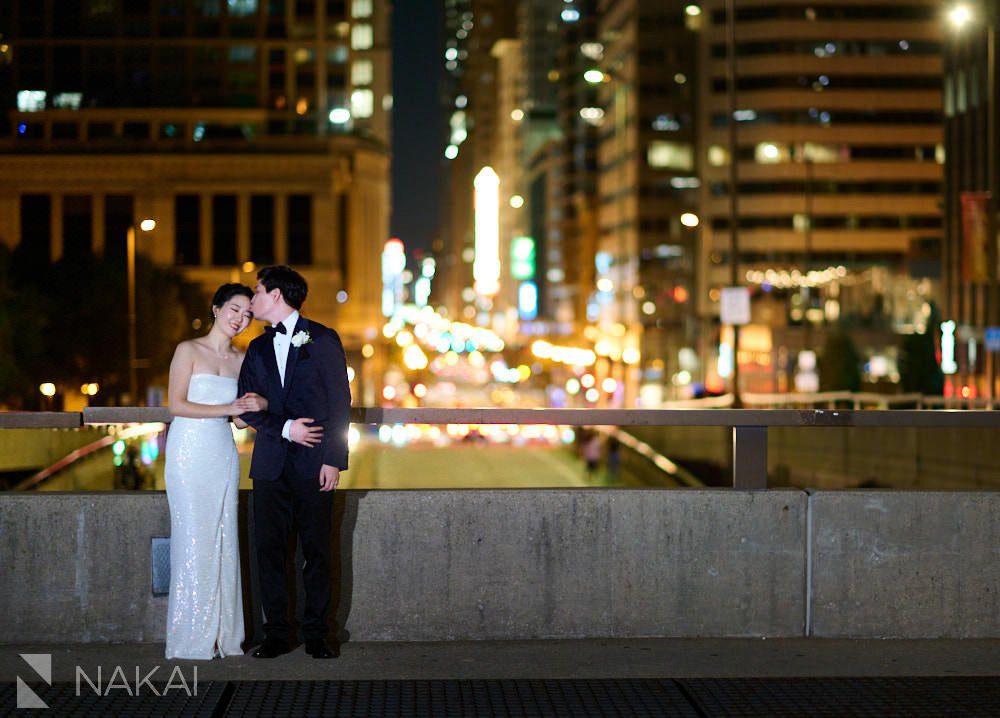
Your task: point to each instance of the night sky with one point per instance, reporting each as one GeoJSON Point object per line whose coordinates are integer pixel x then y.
{"type": "Point", "coordinates": [416, 142]}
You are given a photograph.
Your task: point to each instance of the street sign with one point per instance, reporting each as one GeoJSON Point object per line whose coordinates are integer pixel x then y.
{"type": "Point", "coordinates": [993, 339]}
{"type": "Point", "coordinates": [735, 305]}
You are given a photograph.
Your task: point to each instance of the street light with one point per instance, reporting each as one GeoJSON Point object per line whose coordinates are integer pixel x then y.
{"type": "Point", "coordinates": [146, 225]}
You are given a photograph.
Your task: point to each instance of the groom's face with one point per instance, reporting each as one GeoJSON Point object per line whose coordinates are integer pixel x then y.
{"type": "Point", "coordinates": [263, 303]}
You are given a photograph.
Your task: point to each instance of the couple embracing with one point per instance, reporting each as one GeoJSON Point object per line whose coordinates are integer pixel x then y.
{"type": "Point", "coordinates": [291, 386]}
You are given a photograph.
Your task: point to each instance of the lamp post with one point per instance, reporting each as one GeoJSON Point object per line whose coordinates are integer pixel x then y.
{"type": "Point", "coordinates": [146, 225]}
{"type": "Point", "coordinates": [960, 15]}
{"type": "Point", "coordinates": [734, 218]}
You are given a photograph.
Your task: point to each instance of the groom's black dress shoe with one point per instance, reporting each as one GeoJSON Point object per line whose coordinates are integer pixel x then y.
{"type": "Point", "coordinates": [321, 649]}
{"type": "Point", "coordinates": [271, 649]}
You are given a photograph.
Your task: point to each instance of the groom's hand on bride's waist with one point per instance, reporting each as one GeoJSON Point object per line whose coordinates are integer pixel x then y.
{"type": "Point", "coordinates": [305, 432]}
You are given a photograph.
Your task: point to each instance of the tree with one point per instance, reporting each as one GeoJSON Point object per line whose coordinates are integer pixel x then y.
{"type": "Point", "coordinates": [81, 310]}
{"type": "Point", "coordinates": [23, 323]}
{"type": "Point", "coordinates": [919, 370]}
{"type": "Point", "coordinates": [839, 363]}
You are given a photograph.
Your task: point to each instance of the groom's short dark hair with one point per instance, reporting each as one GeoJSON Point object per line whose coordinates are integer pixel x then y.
{"type": "Point", "coordinates": [292, 284]}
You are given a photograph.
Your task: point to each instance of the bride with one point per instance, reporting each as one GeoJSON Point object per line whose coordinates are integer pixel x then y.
{"type": "Point", "coordinates": [205, 607]}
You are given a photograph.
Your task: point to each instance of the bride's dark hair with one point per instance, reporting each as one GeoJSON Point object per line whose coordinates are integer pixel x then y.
{"type": "Point", "coordinates": [227, 291]}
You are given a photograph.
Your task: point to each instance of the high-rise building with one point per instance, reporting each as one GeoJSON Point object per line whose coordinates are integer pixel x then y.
{"type": "Point", "coordinates": [970, 293]}
{"type": "Point", "coordinates": [838, 155]}
{"type": "Point", "coordinates": [648, 174]}
{"type": "Point", "coordinates": [251, 132]}
{"type": "Point", "coordinates": [580, 118]}
{"type": "Point", "coordinates": [472, 28]}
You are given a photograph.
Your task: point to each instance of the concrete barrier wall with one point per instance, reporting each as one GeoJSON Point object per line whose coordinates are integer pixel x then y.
{"type": "Point", "coordinates": [436, 565]}
{"type": "Point", "coordinates": [906, 564]}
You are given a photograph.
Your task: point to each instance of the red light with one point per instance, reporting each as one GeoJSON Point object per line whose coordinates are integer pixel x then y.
{"type": "Point", "coordinates": [680, 295]}
{"type": "Point", "coordinates": [949, 389]}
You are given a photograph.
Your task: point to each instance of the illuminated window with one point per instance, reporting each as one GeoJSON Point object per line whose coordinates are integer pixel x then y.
{"type": "Point", "coordinates": [68, 100]}
{"type": "Point", "coordinates": [362, 37]}
{"type": "Point", "coordinates": [592, 115]}
{"type": "Point", "coordinates": [361, 8]}
{"type": "Point", "coordinates": [242, 8]}
{"type": "Point", "coordinates": [31, 100]}
{"type": "Point", "coordinates": [361, 72]}
{"type": "Point", "coordinates": [771, 153]}
{"type": "Point", "coordinates": [718, 156]}
{"type": "Point", "coordinates": [337, 55]}
{"type": "Point", "coordinates": [670, 155]}
{"type": "Point", "coordinates": [820, 153]}
{"type": "Point", "coordinates": [362, 103]}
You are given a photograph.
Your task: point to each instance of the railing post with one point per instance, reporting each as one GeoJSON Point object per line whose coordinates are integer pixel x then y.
{"type": "Point", "coordinates": [749, 457]}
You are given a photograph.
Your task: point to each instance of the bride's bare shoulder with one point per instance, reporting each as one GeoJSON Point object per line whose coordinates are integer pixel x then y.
{"type": "Point", "coordinates": [188, 347]}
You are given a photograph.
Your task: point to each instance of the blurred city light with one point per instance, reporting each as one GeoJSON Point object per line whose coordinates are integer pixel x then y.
{"type": "Point", "coordinates": [47, 389]}
{"type": "Point", "coordinates": [340, 115]}
{"type": "Point", "coordinates": [486, 265]}
{"type": "Point", "coordinates": [959, 15]}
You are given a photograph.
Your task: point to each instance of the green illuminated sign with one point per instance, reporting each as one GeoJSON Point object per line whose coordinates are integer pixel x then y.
{"type": "Point", "coordinates": [522, 258]}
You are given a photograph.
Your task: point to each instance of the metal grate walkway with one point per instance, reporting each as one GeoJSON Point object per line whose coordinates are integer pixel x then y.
{"type": "Point", "coordinates": [659, 698]}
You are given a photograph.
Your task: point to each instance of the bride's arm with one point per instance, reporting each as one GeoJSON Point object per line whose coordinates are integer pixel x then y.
{"type": "Point", "coordinates": [181, 368]}
{"type": "Point", "coordinates": [249, 402]}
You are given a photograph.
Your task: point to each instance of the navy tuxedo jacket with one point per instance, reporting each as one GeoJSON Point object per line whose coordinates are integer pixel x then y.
{"type": "Point", "coordinates": [316, 387]}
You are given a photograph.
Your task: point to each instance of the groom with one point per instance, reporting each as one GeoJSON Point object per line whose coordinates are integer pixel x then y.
{"type": "Point", "coordinates": [299, 452]}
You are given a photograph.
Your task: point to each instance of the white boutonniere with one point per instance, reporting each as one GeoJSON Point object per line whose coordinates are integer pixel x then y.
{"type": "Point", "coordinates": [301, 338]}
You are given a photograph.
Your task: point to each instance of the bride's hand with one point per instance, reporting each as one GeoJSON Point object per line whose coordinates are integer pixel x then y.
{"type": "Point", "coordinates": [250, 402]}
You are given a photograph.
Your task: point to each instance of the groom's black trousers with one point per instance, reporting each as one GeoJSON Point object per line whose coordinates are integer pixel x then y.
{"type": "Point", "coordinates": [276, 504]}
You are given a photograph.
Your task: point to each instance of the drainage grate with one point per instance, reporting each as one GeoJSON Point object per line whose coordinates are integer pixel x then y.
{"type": "Point", "coordinates": [159, 560]}
{"type": "Point", "coordinates": [845, 697]}
{"type": "Point", "coordinates": [63, 701]}
{"type": "Point", "coordinates": [480, 698]}
{"type": "Point", "coordinates": [632, 698]}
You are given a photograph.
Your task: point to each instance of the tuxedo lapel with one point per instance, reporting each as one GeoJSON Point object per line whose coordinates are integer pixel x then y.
{"type": "Point", "coordinates": [270, 362]}
{"type": "Point", "coordinates": [293, 353]}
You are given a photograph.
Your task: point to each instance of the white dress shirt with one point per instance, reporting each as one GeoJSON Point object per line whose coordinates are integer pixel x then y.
{"type": "Point", "coordinates": [282, 343]}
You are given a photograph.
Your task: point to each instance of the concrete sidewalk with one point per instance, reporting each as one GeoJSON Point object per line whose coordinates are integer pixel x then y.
{"type": "Point", "coordinates": [549, 659]}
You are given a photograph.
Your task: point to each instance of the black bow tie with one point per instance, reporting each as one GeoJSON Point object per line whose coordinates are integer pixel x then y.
{"type": "Point", "coordinates": [279, 329]}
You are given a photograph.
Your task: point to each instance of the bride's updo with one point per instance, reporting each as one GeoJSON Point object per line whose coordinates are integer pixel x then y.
{"type": "Point", "coordinates": [226, 292]}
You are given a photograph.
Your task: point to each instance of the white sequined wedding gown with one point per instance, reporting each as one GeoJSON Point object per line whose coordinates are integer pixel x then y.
{"type": "Point", "coordinates": [205, 607]}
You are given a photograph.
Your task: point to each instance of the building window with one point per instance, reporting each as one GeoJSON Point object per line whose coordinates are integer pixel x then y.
{"type": "Point", "coordinates": [242, 8]}
{"type": "Point", "coordinates": [362, 103]}
{"type": "Point", "coordinates": [262, 229]}
{"type": "Point", "coordinates": [362, 37]}
{"type": "Point", "coordinates": [187, 221]}
{"type": "Point", "coordinates": [78, 220]}
{"type": "Point", "coordinates": [223, 229]}
{"type": "Point", "coordinates": [300, 229]}
{"type": "Point", "coordinates": [36, 227]}
{"type": "Point", "coordinates": [361, 8]}
{"type": "Point", "coordinates": [361, 72]}
{"type": "Point", "coordinates": [117, 219]}
{"type": "Point", "coordinates": [772, 153]}
{"type": "Point", "coordinates": [670, 155]}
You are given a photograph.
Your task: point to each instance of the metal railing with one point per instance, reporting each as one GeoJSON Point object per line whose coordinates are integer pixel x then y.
{"type": "Point", "coordinates": [749, 427]}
